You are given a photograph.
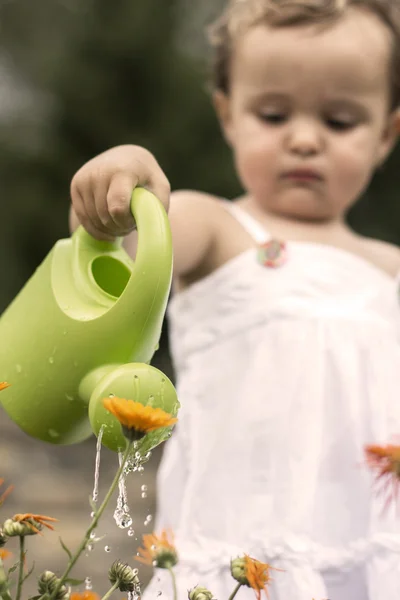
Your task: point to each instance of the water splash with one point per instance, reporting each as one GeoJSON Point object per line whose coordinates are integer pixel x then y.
{"type": "Point", "coordinates": [121, 515]}
{"type": "Point", "coordinates": [95, 493]}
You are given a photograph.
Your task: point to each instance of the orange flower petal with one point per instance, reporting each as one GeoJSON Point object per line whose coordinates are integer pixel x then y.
{"type": "Point", "coordinates": [41, 519]}
{"type": "Point", "coordinates": [4, 554]}
{"type": "Point", "coordinates": [384, 462]}
{"type": "Point", "coordinates": [153, 545]}
{"type": "Point", "coordinates": [86, 595]}
{"type": "Point", "coordinates": [4, 385]}
{"type": "Point", "coordinates": [134, 415]}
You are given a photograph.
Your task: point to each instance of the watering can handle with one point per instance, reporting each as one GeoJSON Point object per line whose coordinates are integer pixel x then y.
{"type": "Point", "coordinates": [152, 268]}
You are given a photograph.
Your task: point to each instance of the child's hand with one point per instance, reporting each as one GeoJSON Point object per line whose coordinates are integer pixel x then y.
{"type": "Point", "coordinates": [101, 190]}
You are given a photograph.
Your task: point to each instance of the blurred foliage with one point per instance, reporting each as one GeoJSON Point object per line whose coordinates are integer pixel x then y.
{"type": "Point", "coordinates": [86, 75]}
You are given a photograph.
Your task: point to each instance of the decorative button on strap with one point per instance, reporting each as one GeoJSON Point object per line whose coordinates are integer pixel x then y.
{"type": "Point", "coordinates": [272, 253]}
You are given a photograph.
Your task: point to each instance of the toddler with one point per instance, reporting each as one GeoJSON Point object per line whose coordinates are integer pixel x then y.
{"type": "Point", "coordinates": [284, 322]}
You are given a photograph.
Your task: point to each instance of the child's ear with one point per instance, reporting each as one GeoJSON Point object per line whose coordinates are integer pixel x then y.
{"type": "Point", "coordinates": [222, 105]}
{"type": "Point", "coordinates": [389, 137]}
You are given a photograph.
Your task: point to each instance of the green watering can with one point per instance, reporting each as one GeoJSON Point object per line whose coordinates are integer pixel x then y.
{"type": "Point", "coordinates": [85, 327]}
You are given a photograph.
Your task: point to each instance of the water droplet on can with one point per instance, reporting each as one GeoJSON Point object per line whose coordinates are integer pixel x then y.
{"type": "Point", "coordinates": [144, 488]}
{"type": "Point", "coordinates": [107, 548]}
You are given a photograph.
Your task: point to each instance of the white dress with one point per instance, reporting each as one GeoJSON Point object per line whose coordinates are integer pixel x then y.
{"type": "Point", "coordinates": [284, 374]}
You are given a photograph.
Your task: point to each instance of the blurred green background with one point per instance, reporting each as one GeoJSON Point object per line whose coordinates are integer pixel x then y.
{"type": "Point", "coordinates": [77, 77]}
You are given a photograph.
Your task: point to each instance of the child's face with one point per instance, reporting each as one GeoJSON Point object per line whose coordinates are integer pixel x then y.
{"type": "Point", "coordinates": [307, 115]}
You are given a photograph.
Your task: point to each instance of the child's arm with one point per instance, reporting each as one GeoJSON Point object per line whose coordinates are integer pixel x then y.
{"type": "Point", "coordinates": [101, 191]}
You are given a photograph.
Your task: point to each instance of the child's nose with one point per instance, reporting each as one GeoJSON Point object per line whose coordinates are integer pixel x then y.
{"type": "Point", "coordinates": [305, 139]}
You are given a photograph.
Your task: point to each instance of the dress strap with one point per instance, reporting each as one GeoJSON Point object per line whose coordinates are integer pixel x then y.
{"type": "Point", "coordinates": [249, 223]}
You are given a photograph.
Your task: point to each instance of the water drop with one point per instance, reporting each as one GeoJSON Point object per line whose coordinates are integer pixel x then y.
{"type": "Point", "coordinates": [131, 532]}
{"type": "Point", "coordinates": [141, 469]}
{"type": "Point", "coordinates": [149, 518]}
{"type": "Point", "coordinates": [144, 495]}
{"type": "Point", "coordinates": [92, 514]}
{"type": "Point", "coordinates": [18, 368]}
{"type": "Point", "coordinates": [90, 547]}
{"type": "Point", "coordinates": [159, 593]}
{"type": "Point", "coordinates": [144, 488]}
{"type": "Point", "coordinates": [88, 583]}
{"type": "Point", "coordinates": [53, 433]}
{"type": "Point", "coordinates": [135, 377]}
{"type": "Point", "coordinates": [107, 548]}
{"type": "Point", "coordinates": [111, 395]}
{"type": "Point", "coordinates": [69, 397]}
{"type": "Point", "coordinates": [51, 360]}
{"type": "Point", "coordinates": [92, 535]}
{"type": "Point", "coordinates": [65, 332]}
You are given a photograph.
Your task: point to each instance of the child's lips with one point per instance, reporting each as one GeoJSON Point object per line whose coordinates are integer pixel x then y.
{"type": "Point", "coordinates": [307, 175]}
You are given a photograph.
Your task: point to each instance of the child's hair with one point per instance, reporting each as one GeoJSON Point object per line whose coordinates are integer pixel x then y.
{"type": "Point", "coordinates": [239, 15]}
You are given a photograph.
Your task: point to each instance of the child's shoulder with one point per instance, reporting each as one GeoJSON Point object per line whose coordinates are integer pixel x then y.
{"type": "Point", "coordinates": [384, 255]}
{"type": "Point", "coordinates": [192, 200]}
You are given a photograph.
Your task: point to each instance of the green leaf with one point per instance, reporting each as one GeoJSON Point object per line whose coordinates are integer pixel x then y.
{"type": "Point", "coordinates": [29, 573]}
{"type": "Point", "coordinates": [92, 504]}
{"type": "Point", "coordinates": [13, 568]}
{"type": "Point", "coordinates": [67, 550]}
{"type": "Point", "coordinates": [73, 582]}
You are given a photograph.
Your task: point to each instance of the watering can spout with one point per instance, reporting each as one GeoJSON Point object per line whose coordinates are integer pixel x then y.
{"type": "Point", "coordinates": [88, 312]}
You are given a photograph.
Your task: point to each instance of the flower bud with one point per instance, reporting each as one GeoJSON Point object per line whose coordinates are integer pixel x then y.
{"type": "Point", "coordinates": [48, 582]}
{"type": "Point", "coordinates": [127, 578]}
{"type": "Point", "coordinates": [200, 593]}
{"type": "Point", "coordinates": [13, 528]}
{"type": "Point", "coordinates": [238, 570]}
{"type": "Point", "coordinates": [3, 538]}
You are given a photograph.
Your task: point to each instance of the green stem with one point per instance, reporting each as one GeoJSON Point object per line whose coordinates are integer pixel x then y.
{"type": "Point", "coordinates": [111, 590]}
{"type": "Point", "coordinates": [93, 524]}
{"type": "Point", "coordinates": [20, 566]}
{"type": "Point", "coordinates": [4, 593]}
{"type": "Point", "coordinates": [235, 591]}
{"type": "Point", "coordinates": [170, 569]}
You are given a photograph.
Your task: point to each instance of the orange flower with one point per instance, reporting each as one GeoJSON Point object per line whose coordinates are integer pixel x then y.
{"type": "Point", "coordinates": [4, 554]}
{"type": "Point", "coordinates": [258, 575]}
{"type": "Point", "coordinates": [86, 595]}
{"type": "Point", "coordinates": [31, 521]}
{"type": "Point", "coordinates": [253, 573]}
{"type": "Point", "coordinates": [4, 385]}
{"type": "Point", "coordinates": [385, 462]}
{"type": "Point", "coordinates": [158, 551]}
{"type": "Point", "coordinates": [6, 493]}
{"type": "Point", "coordinates": [135, 418]}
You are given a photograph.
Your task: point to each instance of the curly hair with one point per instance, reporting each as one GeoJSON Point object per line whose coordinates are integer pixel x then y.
{"type": "Point", "coordinates": [239, 15]}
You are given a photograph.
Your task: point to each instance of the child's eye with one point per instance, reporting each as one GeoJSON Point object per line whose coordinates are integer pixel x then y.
{"type": "Point", "coordinates": [275, 118]}
{"type": "Point", "coordinates": [340, 124]}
